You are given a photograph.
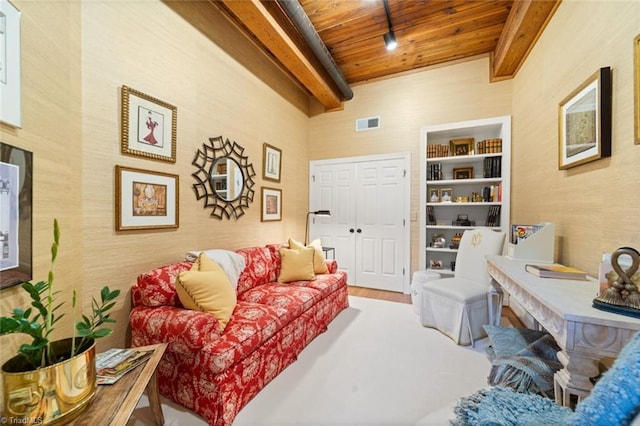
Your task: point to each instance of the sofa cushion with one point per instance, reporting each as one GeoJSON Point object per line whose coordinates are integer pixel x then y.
{"type": "Point", "coordinates": [319, 262]}
{"type": "Point", "coordinates": [259, 269]}
{"type": "Point", "coordinates": [296, 264]}
{"type": "Point", "coordinates": [324, 283]}
{"type": "Point", "coordinates": [292, 298]}
{"type": "Point", "coordinates": [157, 286]}
{"type": "Point", "coordinates": [207, 288]}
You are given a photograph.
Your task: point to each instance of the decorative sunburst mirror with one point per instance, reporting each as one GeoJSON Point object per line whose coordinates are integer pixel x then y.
{"type": "Point", "coordinates": [224, 178]}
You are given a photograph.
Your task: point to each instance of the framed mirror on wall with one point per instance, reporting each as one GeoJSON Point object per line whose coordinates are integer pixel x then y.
{"type": "Point", "coordinates": [224, 178]}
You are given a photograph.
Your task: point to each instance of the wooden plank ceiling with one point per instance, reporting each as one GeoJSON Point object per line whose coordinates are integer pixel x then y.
{"type": "Point", "coordinates": [429, 32]}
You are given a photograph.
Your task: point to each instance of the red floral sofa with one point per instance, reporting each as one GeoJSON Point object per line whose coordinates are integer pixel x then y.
{"type": "Point", "coordinates": [217, 373]}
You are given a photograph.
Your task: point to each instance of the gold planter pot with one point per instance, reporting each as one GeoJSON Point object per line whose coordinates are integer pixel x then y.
{"type": "Point", "coordinates": [52, 395]}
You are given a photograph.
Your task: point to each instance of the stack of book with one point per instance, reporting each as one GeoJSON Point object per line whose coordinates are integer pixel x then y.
{"type": "Point", "coordinates": [560, 272]}
{"type": "Point", "coordinates": [434, 171]}
{"type": "Point", "coordinates": [115, 363]}
{"type": "Point", "coordinates": [493, 217]}
{"type": "Point", "coordinates": [489, 146]}
{"type": "Point", "coordinates": [434, 151]}
{"type": "Point", "coordinates": [492, 167]}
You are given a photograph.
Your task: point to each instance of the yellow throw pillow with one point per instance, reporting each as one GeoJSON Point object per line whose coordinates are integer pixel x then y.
{"type": "Point", "coordinates": [297, 265]}
{"type": "Point", "coordinates": [319, 263]}
{"type": "Point", "coordinates": [207, 288]}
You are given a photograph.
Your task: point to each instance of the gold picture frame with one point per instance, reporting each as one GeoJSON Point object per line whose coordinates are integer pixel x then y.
{"type": "Point", "coordinates": [461, 146]}
{"type": "Point", "coordinates": [146, 199]}
{"type": "Point", "coordinates": [149, 126]}
{"type": "Point", "coordinates": [584, 122]}
{"type": "Point", "coordinates": [271, 205]}
{"type": "Point", "coordinates": [463, 173]}
{"type": "Point", "coordinates": [636, 78]}
{"type": "Point", "coordinates": [446, 195]}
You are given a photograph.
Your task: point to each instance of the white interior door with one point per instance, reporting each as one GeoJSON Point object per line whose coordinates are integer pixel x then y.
{"type": "Point", "coordinates": [369, 202]}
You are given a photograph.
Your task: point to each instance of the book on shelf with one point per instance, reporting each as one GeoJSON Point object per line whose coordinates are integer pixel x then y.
{"type": "Point", "coordinates": [431, 216]}
{"type": "Point", "coordinates": [493, 216]}
{"type": "Point", "coordinates": [115, 363]}
{"type": "Point", "coordinates": [556, 271]}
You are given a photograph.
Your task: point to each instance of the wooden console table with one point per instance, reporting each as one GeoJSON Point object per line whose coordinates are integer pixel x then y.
{"type": "Point", "coordinates": [114, 404]}
{"type": "Point", "coordinates": [563, 308]}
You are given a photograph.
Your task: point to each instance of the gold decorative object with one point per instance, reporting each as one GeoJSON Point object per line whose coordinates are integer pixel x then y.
{"type": "Point", "coordinates": [623, 285]}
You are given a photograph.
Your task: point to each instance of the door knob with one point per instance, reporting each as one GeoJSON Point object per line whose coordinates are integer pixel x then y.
{"type": "Point", "coordinates": [352, 230]}
{"type": "Point", "coordinates": [359, 230]}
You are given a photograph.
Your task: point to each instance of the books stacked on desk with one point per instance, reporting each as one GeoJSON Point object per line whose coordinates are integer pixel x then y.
{"type": "Point", "coordinates": [560, 272]}
{"type": "Point", "coordinates": [115, 363]}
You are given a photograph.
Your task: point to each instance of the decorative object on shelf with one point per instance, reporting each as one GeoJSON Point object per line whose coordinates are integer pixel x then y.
{"type": "Point", "coordinates": [218, 155]}
{"type": "Point", "coordinates": [463, 173]}
{"type": "Point", "coordinates": [446, 195]}
{"type": "Point", "coordinates": [463, 220]}
{"type": "Point", "coordinates": [146, 199]}
{"type": "Point", "coordinates": [636, 78]}
{"type": "Point", "coordinates": [52, 382]}
{"type": "Point", "coordinates": [455, 240]}
{"type": "Point", "coordinates": [623, 295]}
{"type": "Point", "coordinates": [320, 213]}
{"type": "Point", "coordinates": [10, 80]}
{"type": "Point", "coordinates": [149, 126]}
{"type": "Point", "coordinates": [271, 204]}
{"type": "Point", "coordinates": [461, 146]}
{"type": "Point", "coordinates": [462, 199]}
{"type": "Point", "coordinates": [271, 162]}
{"type": "Point", "coordinates": [476, 197]}
{"type": "Point", "coordinates": [431, 216]}
{"type": "Point", "coordinates": [438, 241]}
{"type": "Point", "coordinates": [16, 182]}
{"type": "Point", "coordinates": [435, 264]}
{"type": "Point", "coordinates": [584, 128]}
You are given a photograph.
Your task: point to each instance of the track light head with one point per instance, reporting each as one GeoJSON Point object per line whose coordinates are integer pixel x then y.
{"type": "Point", "coordinates": [390, 40]}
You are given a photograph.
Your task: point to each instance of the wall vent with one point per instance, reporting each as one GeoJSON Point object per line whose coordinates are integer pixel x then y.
{"type": "Point", "coordinates": [367, 123]}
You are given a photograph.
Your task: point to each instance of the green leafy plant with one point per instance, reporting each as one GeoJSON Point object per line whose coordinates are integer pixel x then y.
{"type": "Point", "coordinates": [38, 320]}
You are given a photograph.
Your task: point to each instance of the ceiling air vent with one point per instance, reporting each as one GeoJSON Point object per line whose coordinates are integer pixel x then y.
{"type": "Point", "coordinates": [367, 123]}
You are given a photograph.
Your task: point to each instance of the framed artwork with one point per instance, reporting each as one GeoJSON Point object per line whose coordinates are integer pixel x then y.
{"type": "Point", "coordinates": [435, 263]}
{"type": "Point", "coordinates": [463, 173]}
{"type": "Point", "coordinates": [149, 126]}
{"type": "Point", "coordinates": [271, 204]}
{"type": "Point", "coordinates": [461, 146]}
{"type": "Point", "coordinates": [146, 199]}
{"type": "Point", "coordinates": [446, 195]}
{"type": "Point", "coordinates": [636, 78]}
{"type": "Point", "coordinates": [584, 122]}
{"type": "Point", "coordinates": [16, 183]}
{"type": "Point", "coordinates": [271, 162]}
{"type": "Point", "coordinates": [10, 92]}
{"type": "Point", "coordinates": [434, 195]}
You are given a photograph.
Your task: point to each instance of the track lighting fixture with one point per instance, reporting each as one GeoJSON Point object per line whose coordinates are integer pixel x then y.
{"type": "Point", "coordinates": [389, 38]}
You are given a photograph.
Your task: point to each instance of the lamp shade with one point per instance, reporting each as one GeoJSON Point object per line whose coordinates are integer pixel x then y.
{"type": "Point", "coordinates": [324, 213]}
{"type": "Point", "coordinates": [321, 213]}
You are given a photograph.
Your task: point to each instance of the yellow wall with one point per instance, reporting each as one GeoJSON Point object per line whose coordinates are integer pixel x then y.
{"type": "Point", "coordinates": [594, 206]}
{"type": "Point", "coordinates": [76, 57]}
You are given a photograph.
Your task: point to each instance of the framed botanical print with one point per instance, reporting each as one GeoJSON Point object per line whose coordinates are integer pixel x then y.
{"type": "Point", "coordinates": [271, 162]}
{"type": "Point", "coordinates": [149, 126]}
{"type": "Point", "coordinates": [146, 199]}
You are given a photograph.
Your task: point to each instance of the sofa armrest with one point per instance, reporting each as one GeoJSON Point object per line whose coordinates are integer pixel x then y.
{"type": "Point", "coordinates": [185, 331]}
{"type": "Point", "coordinates": [332, 266]}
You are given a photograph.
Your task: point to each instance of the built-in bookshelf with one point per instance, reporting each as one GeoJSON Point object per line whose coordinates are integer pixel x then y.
{"type": "Point", "coordinates": [464, 183]}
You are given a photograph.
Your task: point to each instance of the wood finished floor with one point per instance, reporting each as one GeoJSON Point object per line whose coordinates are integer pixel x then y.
{"type": "Point", "coordinates": [508, 317]}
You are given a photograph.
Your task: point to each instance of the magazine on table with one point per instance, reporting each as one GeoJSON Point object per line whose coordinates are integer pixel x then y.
{"type": "Point", "coordinates": [556, 271]}
{"type": "Point", "coordinates": [115, 363]}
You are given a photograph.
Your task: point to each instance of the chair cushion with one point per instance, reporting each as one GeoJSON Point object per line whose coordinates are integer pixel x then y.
{"type": "Point", "coordinates": [458, 289]}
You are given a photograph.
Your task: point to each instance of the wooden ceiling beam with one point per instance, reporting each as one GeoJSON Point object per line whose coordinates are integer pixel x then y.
{"type": "Point", "coordinates": [263, 26]}
{"type": "Point", "coordinates": [525, 23]}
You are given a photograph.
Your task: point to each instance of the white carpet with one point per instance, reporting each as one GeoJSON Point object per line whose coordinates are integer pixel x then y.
{"type": "Point", "coordinates": [375, 365]}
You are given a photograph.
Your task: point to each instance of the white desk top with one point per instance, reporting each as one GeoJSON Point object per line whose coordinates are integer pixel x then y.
{"type": "Point", "coordinates": [569, 299]}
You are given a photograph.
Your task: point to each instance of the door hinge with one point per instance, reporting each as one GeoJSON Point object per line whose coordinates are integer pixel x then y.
{"type": "Point", "coordinates": [404, 222]}
{"type": "Point", "coordinates": [402, 271]}
{"type": "Point", "coordinates": [313, 178]}
{"type": "Point", "coordinates": [404, 173]}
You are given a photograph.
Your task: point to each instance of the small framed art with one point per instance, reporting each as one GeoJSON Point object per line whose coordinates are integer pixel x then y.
{"type": "Point", "coordinates": [461, 146]}
{"type": "Point", "coordinates": [149, 126]}
{"type": "Point", "coordinates": [271, 162]}
{"type": "Point", "coordinates": [10, 80]}
{"type": "Point", "coordinates": [584, 122]}
{"type": "Point", "coordinates": [463, 173]}
{"type": "Point", "coordinates": [446, 195]}
{"type": "Point", "coordinates": [146, 199]}
{"type": "Point", "coordinates": [271, 204]}
{"type": "Point", "coordinates": [434, 195]}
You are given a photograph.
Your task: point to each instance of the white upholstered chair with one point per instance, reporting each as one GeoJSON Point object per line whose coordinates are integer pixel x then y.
{"type": "Point", "coordinates": [458, 306]}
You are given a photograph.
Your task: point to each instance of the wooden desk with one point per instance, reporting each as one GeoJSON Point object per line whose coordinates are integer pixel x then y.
{"type": "Point", "coordinates": [113, 404]}
{"type": "Point", "coordinates": [563, 308]}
